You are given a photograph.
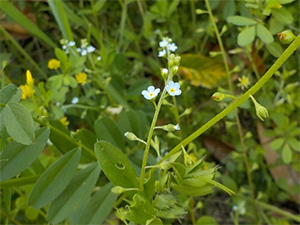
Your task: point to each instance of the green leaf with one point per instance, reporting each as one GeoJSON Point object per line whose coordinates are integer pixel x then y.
{"type": "Point", "coordinates": [286, 154]}
{"type": "Point", "coordinates": [192, 191]}
{"type": "Point", "coordinates": [128, 121]}
{"type": "Point", "coordinates": [55, 179]}
{"type": "Point", "coordinates": [58, 133]}
{"type": "Point", "coordinates": [19, 123]}
{"type": "Point", "coordinates": [294, 144]}
{"type": "Point", "coordinates": [61, 18]}
{"type": "Point", "coordinates": [99, 206]}
{"type": "Point", "coordinates": [247, 36]}
{"type": "Point", "coordinates": [16, 157]}
{"type": "Point", "coordinates": [229, 9]}
{"type": "Point", "coordinates": [282, 16]}
{"type": "Point", "coordinates": [277, 143]}
{"type": "Point", "coordinates": [264, 34]}
{"type": "Point", "coordinates": [116, 165]}
{"type": "Point", "coordinates": [206, 220]}
{"type": "Point", "coordinates": [285, 1]}
{"type": "Point", "coordinates": [140, 211]}
{"type": "Point", "coordinates": [202, 71]}
{"type": "Point", "coordinates": [275, 49]}
{"type": "Point", "coordinates": [241, 20]}
{"type": "Point", "coordinates": [21, 19]}
{"type": "Point", "coordinates": [10, 93]}
{"type": "Point", "coordinates": [74, 195]}
{"type": "Point", "coordinates": [107, 130]}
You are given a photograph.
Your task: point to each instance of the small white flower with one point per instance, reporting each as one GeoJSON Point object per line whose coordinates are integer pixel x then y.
{"type": "Point", "coordinates": [173, 88]}
{"type": "Point", "coordinates": [162, 53]}
{"type": "Point", "coordinates": [90, 49]}
{"type": "Point", "coordinates": [177, 127]}
{"type": "Point", "coordinates": [172, 47]}
{"type": "Point", "coordinates": [71, 43]}
{"type": "Point", "coordinates": [164, 43]}
{"type": "Point", "coordinates": [83, 52]}
{"type": "Point", "coordinates": [99, 58]}
{"type": "Point", "coordinates": [75, 100]}
{"type": "Point", "coordinates": [150, 93]}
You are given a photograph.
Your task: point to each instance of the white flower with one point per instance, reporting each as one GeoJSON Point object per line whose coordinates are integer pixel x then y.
{"type": "Point", "coordinates": [83, 52]}
{"type": "Point", "coordinates": [71, 43]}
{"type": "Point", "coordinates": [150, 93]}
{"type": "Point", "coordinates": [177, 127]}
{"type": "Point", "coordinates": [164, 43]}
{"type": "Point", "coordinates": [90, 49]}
{"type": "Point", "coordinates": [173, 88]}
{"type": "Point", "coordinates": [99, 58]}
{"type": "Point", "coordinates": [75, 100]}
{"type": "Point", "coordinates": [162, 53]}
{"type": "Point", "coordinates": [172, 47]}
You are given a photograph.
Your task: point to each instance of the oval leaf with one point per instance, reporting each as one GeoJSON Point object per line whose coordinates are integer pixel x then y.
{"type": "Point", "coordinates": [275, 49]}
{"type": "Point", "coordinates": [202, 71]}
{"type": "Point", "coordinates": [286, 154]}
{"type": "Point", "coordinates": [240, 20]}
{"type": "Point", "coordinates": [10, 93]}
{"type": "Point", "coordinates": [264, 34]}
{"type": "Point", "coordinates": [74, 195]}
{"type": "Point", "coordinates": [19, 123]}
{"type": "Point", "coordinates": [99, 206]}
{"type": "Point", "coordinates": [55, 179]}
{"type": "Point", "coordinates": [282, 15]}
{"type": "Point", "coordinates": [246, 36]}
{"type": "Point", "coordinates": [107, 130]}
{"type": "Point", "coordinates": [116, 165]}
{"type": "Point", "coordinates": [16, 157]}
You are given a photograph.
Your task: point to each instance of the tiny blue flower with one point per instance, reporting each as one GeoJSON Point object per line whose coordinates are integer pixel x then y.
{"type": "Point", "coordinates": [173, 88]}
{"type": "Point", "coordinates": [177, 127]}
{"type": "Point", "coordinates": [90, 49]}
{"type": "Point", "coordinates": [75, 100]}
{"type": "Point", "coordinates": [83, 52]}
{"type": "Point", "coordinates": [172, 47]}
{"type": "Point", "coordinates": [71, 43]}
{"type": "Point", "coordinates": [164, 43]}
{"type": "Point", "coordinates": [99, 58]}
{"type": "Point", "coordinates": [162, 53]}
{"type": "Point", "coordinates": [150, 93]}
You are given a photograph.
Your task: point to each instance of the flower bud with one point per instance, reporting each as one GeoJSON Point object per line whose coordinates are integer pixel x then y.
{"type": "Point", "coordinates": [175, 69]}
{"type": "Point", "coordinates": [172, 56]}
{"type": "Point", "coordinates": [171, 63]}
{"type": "Point", "coordinates": [177, 60]}
{"type": "Point", "coordinates": [117, 190]}
{"type": "Point", "coordinates": [131, 136]}
{"type": "Point", "coordinates": [286, 36]}
{"type": "Point", "coordinates": [170, 127]}
{"type": "Point", "coordinates": [218, 96]}
{"type": "Point", "coordinates": [261, 111]}
{"type": "Point", "coordinates": [164, 73]}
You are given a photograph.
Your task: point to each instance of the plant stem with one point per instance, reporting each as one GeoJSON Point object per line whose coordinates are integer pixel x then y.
{"type": "Point", "coordinates": [240, 132]}
{"type": "Point", "coordinates": [280, 211]}
{"type": "Point", "coordinates": [257, 86]}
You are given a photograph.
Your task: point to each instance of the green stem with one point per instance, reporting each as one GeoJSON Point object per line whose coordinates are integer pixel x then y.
{"type": "Point", "coordinates": [148, 144]}
{"type": "Point", "coordinates": [280, 211]}
{"type": "Point", "coordinates": [257, 86]}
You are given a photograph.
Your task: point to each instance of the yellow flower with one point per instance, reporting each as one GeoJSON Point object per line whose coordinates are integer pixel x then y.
{"type": "Point", "coordinates": [53, 64]}
{"type": "Point", "coordinates": [64, 121]}
{"type": "Point", "coordinates": [244, 82]}
{"type": "Point", "coordinates": [81, 78]}
{"type": "Point", "coordinates": [27, 89]}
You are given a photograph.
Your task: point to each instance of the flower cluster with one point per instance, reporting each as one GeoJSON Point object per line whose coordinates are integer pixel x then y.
{"type": "Point", "coordinates": [53, 64]}
{"type": "Point", "coordinates": [27, 89]}
{"type": "Point", "coordinates": [85, 48]}
{"type": "Point", "coordinates": [166, 46]}
{"type": "Point", "coordinates": [81, 78]}
{"type": "Point", "coordinates": [66, 45]}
